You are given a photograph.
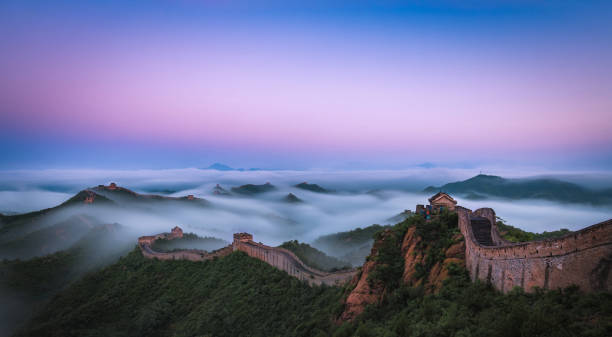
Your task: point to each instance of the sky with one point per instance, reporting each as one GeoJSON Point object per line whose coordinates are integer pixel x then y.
{"type": "Point", "coordinates": [305, 85]}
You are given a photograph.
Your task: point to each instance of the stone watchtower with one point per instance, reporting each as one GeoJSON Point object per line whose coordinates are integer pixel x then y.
{"type": "Point", "coordinates": [442, 200]}
{"type": "Point", "coordinates": [176, 232]}
{"type": "Point", "coordinates": [241, 238]}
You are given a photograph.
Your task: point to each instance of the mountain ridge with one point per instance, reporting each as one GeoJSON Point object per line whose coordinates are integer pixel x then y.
{"type": "Point", "coordinates": [482, 186]}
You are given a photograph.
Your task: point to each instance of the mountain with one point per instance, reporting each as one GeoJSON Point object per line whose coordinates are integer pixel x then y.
{"type": "Point", "coordinates": [312, 187]}
{"type": "Point", "coordinates": [48, 230]}
{"type": "Point", "coordinates": [352, 246]}
{"type": "Point", "coordinates": [223, 167]}
{"type": "Point", "coordinates": [314, 257]}
{"type": "Point", "coordinates": [220, 167]}
{"type": "Point", "coordinates": [292, 198]}
{"type": "Point", "coordinates": [27, 285]}
{"type": "Point", "coordinates": [399, 217]}
{"type": "Point", "coordinates": [231, 296]}
{"type": "Point", "coordinates": [483, 186]}
{"type": "Point", "coordinates": [413, 284]}
{"type": "Point", "coordinates": [218, 190]}
{"type": "Point", "coordinates": [427, 165]}
{"type": "Point", "coordinates": [251, 189]}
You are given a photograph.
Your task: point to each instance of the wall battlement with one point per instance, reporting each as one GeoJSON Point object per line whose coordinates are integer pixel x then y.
{"type": "Point", "coordinates": [280, 258]}
{"type": "Point", "coordinates": [286, 260]}
{"type": "Point", "coordinates": [583, 258]}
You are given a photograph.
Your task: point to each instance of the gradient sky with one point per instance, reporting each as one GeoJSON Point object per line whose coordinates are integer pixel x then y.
{"type": "Point", "coordinates": [276, 84]}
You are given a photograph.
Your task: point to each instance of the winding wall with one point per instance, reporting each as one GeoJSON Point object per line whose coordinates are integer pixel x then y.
{"type": "Point", "coordinates": [280, 258]}
{"type": "Point", "coordinates": [286, 260]}
{"type": "Point", "coordinates": [583, 258]}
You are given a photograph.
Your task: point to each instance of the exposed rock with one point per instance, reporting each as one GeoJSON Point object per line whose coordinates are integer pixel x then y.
{"type": "Point", "coordinates": [364, 292]}
{"type": "Point", "coordinates": [412, 256]}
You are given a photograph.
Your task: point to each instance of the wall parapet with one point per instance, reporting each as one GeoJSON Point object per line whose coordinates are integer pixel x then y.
{"type": "Point", "coordinates": [287, 261]}
{"type": "Point", "coordinates": [280, 258]}
{"type": "Point", "coordinates": [583, 258]}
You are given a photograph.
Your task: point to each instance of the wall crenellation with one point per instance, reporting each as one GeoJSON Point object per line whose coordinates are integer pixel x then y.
{"type": "Point", "coordinates": [280, 258]}
{"type": "Point", "coordinates": [582, 258]}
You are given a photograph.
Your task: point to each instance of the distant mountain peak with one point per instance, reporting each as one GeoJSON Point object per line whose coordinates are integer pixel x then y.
{"type": "Point", "coordinates": [483, 186]}
{"type": "Point", "coordinates": [218, 190]}
{"type": "Point", "coordinates": [220, 167]}
{"type": "Point", "coordinates": [292, 198]}
{"type": "Point", "coordinates": [250, 189]}
{"type": "Point", "coordinates": [312, 187]}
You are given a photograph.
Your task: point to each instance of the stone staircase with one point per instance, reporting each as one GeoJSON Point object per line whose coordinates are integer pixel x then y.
{"type": "Point", "coordinates": [481, 227]}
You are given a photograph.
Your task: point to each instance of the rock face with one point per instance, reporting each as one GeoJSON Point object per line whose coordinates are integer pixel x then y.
{"type": "Point", "coordinates": [364, 293]}
{"type": "Point", "coordinates": [414, 252]}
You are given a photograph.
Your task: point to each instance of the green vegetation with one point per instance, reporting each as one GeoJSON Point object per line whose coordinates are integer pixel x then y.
{"type": "Point", "coordinates": [389, 261]}
{"type": "Point", "coordinates": [463, 308]}
{"type": "Point", "coordinates": [352, 246]}
{"type": "Point", "coordinates": [436, 236]}
{"type": "Point", "coordinates": [231, 296]}
{"type": "Point", "coordinates": [39, 275]}
{"type": "Point", "coordinates": [481, 186]}
{"type": "Point", "coordinates": [238, 295]}
{"type": "Point", "coordinates": [514, 234]}
{"type": "Point", "coordinates": [48, 239]}
{"type": "Point", "coordinates": [189, 241]}
{"type": "Point", "coordinates": [314, 257]}
{"type": "Point", "coordinates": [26, 285]}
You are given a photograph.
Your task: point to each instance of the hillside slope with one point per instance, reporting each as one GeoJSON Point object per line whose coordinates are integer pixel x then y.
{"type": "Point", "coordinates": [414, 279]}
{"type": "Point", "coordinates": [232, 296]}
{"type": "Point", "coordinates": [483, 186]}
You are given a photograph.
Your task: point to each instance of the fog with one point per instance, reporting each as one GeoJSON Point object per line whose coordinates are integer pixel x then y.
{"type": "Point", "coordinates": [362, 198]}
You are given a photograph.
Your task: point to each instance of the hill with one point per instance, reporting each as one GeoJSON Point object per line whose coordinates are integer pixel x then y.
{"type": "Point", "coordinates": [251, 189]}
{"type": "Point", "coordinates": [220, 191]}
{"type": "Point", "coordinates": [513, 234]}
{"type": "Point", "coordinates": [242, 296]}
{"type": "Point", "coordinates": [314, 257]}
{"type": "Point", "coordinates": [232, 296]}
{"type": "Point", "coordinates": [312, 188]}
{"type": "Point", "coordinates": [26, 285]}
{"type": "Point", "coordinates": [292, 198]}
{"type": "Point", "coordinates": [49, 230]}
{"type": "Point", "coordinates": [483, 186]}
{"type": "Point", "coordinates": [352, 246]}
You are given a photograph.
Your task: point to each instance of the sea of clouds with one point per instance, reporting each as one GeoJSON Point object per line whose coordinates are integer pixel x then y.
{"type": "Point", "coordinates": [362, 198]}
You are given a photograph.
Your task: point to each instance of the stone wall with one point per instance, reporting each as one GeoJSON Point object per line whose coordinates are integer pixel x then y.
{"type": "Point", "coordinates": [280, 258]}
{"type": "Point", "coordinates": [186, 254]}
{"type": "Point", "coordinates": [583, 258]}
{"type": "Point", "coordinates": [287, 261]}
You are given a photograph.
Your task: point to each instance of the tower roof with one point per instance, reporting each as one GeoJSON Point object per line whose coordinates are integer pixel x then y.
{"type": "Point", "coordinates": [442, 195]}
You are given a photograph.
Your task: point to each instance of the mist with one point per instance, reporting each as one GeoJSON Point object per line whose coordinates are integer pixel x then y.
{"type": "Point", "coordinates": [104, 232]}
{"type": "Point", "coordinates": [361, 198]}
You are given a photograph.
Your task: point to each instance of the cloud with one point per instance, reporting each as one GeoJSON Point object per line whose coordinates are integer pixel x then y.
{"type": "Point", "coordinates": [266, 216]}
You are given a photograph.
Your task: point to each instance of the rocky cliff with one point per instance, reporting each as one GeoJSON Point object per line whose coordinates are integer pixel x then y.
{"type": "Point", "coordinates": [413, 253]}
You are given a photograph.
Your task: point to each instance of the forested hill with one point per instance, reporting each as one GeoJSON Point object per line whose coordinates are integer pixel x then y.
{"type": "Point", "coordinates": [483, 186]}
{"type": "Point", "coordinates": [241, 296]}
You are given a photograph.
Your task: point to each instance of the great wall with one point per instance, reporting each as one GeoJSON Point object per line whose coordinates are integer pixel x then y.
{"type": "Point", "coordinates": [280, 258]}
{"type": "Point", "coordinates": [582, 258]}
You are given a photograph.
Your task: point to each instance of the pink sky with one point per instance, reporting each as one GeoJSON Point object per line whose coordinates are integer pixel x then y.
{"type": "Point", "coordinates": [366, 87]}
